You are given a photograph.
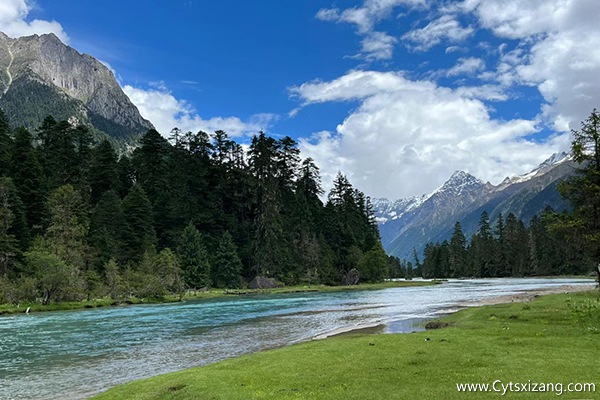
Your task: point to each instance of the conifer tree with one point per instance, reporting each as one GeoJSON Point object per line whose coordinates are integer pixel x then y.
{"type": "Point", "coordinates": [193, 258]}
{"type": "Point", "coordinates": [482, 248]}
{"type": "Point", "coordinates": [458, 253]}
{"type": "Point", "coordinates": [517, 247]}
{"type": "Point", "coordinates": [6, 144]}
{"type": "Point", "coordinates": [583, 189]}
{"type": "Point", "coordinates": [140, 236]}
{"type": "Point", "coordinates": [108, 229]}
{"type": "Point", "coordinates": [8, 243]}
{"type": "Point", "coordinates": [166, 266]}
{"type": "Point", "coordinates": [104, 170]}
{"type": "Point", "coordinates": [29, 179]}
{"type": "Point", "coordinates": [68, 227]}
{"type": "Point", "coordinates": [270, 255]}
{"type": "Point", "coordinates": [227, 266]}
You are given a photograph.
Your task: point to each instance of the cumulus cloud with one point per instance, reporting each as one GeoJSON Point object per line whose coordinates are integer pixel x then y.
{"type": "Point", "coordinates": [557, 51]}
{"type": "Point", "coordinates": [407, 136]}
{"type": "Point", "coordinates": [447, 27]}
{"type": "Point", "coordinates": [158, 105]}
{"type": "Point", "coordinates": [14, 23]}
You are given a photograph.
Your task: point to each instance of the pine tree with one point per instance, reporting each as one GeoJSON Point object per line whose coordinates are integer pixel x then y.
{"type": "Point", "coordinates": [583, 189]}
{"type": "Point", "coordinates": [482, 248]}
{"type": "Point", "coordinates": [193, 258]}
{"type": "Point", "coordinates": [18, 227]}
{"type": "Point", "coordinates": [517, 247]}
{"type": "Point", "coordinates": [59, 153]}
{"type": "Point", "coordinates": [6, 144]}
{"type": "Point", "coordinates": [166, 265]}
{"type": "Point", "coordinates": [458, 253]}
{"type": "Point", "coordinates": [29, 178]}
{"type": "Point", "coordinates": [270, 244]}
{"type": "Point", "coordinates": [126, 174]}
{"type": "Point", "coordinates": [108, 229]}
{"type": "Point", "coordinates": [227, 265]}
{"type": "Point", "coordinates": [113, 279]}
{"type": "Point", "coordinates": [68, 227]}
{"type": "Point", "coordinates": [140, 236]}
{"type": "Point", "coordinates": [8, 243]}
{"type": "Point", "coordinates": [501, 266]}
{"type": "Point", "coordinates": [104, 170]}
{"type": "Point", "coordinates": [151, 164]}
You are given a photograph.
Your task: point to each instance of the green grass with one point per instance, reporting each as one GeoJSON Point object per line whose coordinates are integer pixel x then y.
{"type": "Point", "coordinates": [554, 339]}
{"type": "Point", "coordinates": [197, 295]}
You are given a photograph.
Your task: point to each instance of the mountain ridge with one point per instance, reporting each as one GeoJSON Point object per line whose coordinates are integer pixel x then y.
{"type": "Point", "coordinates": [40, 76]}
{"type": "Point", "coordinates": [463, 198]}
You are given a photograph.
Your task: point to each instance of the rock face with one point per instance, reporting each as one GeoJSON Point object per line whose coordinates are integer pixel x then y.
{"type": "Point", "coordinates": [42, 75]}
{"type": "Point", "coordinates": [351, 278]}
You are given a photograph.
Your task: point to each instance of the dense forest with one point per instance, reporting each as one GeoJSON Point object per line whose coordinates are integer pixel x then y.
{"type": "Point", "coordinates": [506, 248]}
{"type": "Point", "coordinates": [551, 244]}
{"type": "Point", "coordinates": [78, 220]}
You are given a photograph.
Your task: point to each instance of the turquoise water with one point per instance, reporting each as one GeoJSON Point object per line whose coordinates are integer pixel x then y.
{"type": "Point", "coordinates": [75, 354]}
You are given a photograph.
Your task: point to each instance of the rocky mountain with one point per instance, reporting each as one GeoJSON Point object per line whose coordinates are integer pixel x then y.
{"type": "Point", "coordinates": [411, 223]}
{"type": "Point", "coordinates": [41, 76]}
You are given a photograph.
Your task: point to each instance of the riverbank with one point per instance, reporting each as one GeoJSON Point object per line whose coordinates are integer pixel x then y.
{"type": "Point", "coordinates": [549, 339]}
{"type": "Point", "coordinates": [7, 309]}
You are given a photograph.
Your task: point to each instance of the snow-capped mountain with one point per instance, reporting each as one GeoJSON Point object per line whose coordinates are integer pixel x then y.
{"type": "Point", "coordinates": [460, 184]}
{"type": "Point", "coordinates": [410, 223]}
{"type": "Point", "coordinates": [389, 210]}
{"type": "Point", "coordinates": [555, 159]}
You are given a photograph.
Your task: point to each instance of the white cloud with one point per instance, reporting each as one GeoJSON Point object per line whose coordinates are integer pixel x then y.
{"type": "Point", "coordinates": [406, 137]}
{"type": "Point", "coordinates": [366, 16]}
{"type": "Point", "coordinates": [375, 45]}
{"type": "Point", "coordinates": [14, 23]}
{"type": "Point", "coordinates": [156, 104]}
{"type": "Point", "coordinates": [160, 107]}
{"type": "Point", "coordinates": [557, 52]}
{"type": "Point", "coordinates": [515, 19]}
{"type": "Point", "coordinates": [378, 46]}
{"type": "Point", "coordinates": [444, 28]}
{"type": "Point", "coordinates": [466, 66]}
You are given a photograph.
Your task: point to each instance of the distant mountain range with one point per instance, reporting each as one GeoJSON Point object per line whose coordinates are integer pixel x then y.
{"type": "Point", "coordinates": [41, 76]}
{"type": "Point", "coordinates": [411, 223]}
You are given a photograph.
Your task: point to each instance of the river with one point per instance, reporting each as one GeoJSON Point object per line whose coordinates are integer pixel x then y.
{"type": "Point", "coordinates": [75, 354]}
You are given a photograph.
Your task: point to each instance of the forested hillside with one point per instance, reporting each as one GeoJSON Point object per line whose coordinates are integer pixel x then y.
{"type": "Point", "coordinates": [78, 221]}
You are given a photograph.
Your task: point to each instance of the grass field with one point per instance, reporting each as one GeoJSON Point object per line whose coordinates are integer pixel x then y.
{"type": "Point", "coordinates": [196, 295]}
{"type": "Point", "coordinates": [554, 339]}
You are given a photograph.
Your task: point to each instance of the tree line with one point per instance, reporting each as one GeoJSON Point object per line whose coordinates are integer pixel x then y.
{"type": "Point", "coordinates": [509, 248]}
{"type": "Point", "coordinates": [78, 220]}
{"type": "Point", "coordinates": [551, 244]}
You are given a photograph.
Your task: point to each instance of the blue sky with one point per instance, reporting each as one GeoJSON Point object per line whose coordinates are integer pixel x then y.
{"type": "Point", "coordinates": [397, 94]}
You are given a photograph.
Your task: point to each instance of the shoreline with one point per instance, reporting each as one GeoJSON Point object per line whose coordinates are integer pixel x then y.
{"type": "Point", "coordinates": [34, 307]}
{"type": "Point", "coordinates": [527, 295]}
{"type": "Point", "coordinates": [521, 297]}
